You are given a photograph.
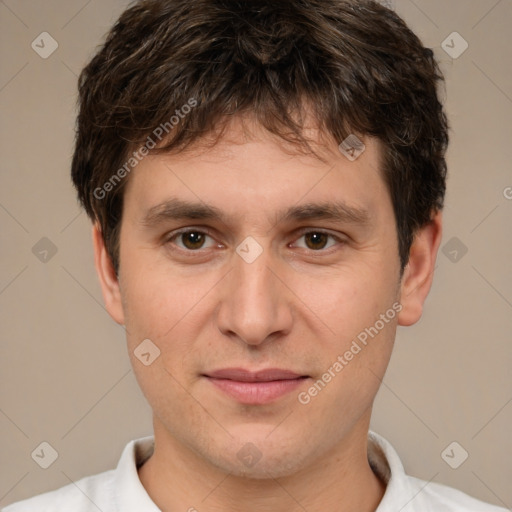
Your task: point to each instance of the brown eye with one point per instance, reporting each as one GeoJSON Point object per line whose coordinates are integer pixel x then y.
{"type": "Point", "coordinates": [316, 240]}
{"type": "Point", "coordinates": [192, 239]}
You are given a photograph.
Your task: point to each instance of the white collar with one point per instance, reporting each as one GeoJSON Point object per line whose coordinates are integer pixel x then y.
{"type": "Point", "coordinates": [131, 495]}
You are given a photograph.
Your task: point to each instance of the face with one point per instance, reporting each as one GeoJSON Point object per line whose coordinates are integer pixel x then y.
{"type": "Point", "coordinates": [269, 282]}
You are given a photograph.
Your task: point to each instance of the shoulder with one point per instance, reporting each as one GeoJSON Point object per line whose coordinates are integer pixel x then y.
{"type": "Point", "coordinates": [86, 495]}
{"type": "Point", "coordinates": [434, 496]}
{"type": "Point", "coordinates": [110, 491]}
{"type": "Point", "coordinates": [410, 494]}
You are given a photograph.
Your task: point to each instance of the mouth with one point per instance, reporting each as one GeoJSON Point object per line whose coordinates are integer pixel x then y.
{"type": "Point", "coordinates": [255, 388]}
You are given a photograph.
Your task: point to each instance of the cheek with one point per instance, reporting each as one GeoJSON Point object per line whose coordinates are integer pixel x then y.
{"type": "Point", "coordinates": [351, 376]}
{"type": "Point", "coordinates": [344, 303]}
{"type": "Point", "coordinates": [355, 341]}
{"type": "Point", "coordinates": [158, 303]}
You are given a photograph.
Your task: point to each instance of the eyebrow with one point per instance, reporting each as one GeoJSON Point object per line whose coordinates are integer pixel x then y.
{"type": "Point", "coordinates": [337, 211]}
{"type": "Point", "coordinates": [178, 209]}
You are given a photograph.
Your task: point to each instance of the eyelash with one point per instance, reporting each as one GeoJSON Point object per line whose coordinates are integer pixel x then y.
{"type": "Point", "coordinates": [305, 231]}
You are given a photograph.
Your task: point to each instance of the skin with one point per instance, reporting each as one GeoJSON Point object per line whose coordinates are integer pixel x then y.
{"type": "Point", "coordinates": [298, 306]}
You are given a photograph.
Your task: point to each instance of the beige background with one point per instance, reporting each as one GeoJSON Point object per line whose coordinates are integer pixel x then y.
{"type": "Point", "coordinates": [65, 376]}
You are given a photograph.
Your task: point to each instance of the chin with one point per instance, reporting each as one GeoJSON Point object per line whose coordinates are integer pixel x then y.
{"type": "Point", "coordinates": [268, 467]}
{"type": "Point", "coordinates": [260, 454]}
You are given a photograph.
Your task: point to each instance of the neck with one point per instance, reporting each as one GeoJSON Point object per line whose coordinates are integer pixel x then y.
{"type": "Point", "coordinates": [177, 479]}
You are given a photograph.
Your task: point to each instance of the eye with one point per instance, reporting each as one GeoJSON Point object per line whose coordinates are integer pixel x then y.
{"type": "Point", "coordinates": [191, 239]}
{"type": "Point", "coordinates": [318, 240]}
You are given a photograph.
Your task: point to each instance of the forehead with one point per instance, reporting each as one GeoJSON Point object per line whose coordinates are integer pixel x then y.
{"type": "Point", "coordinates": [251, 173]}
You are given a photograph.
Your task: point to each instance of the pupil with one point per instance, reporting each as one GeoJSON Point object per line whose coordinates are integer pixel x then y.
{"type": "Point", "coordinates": [192, 240]}
{"type": "Point", "coordinates": [316, 238]}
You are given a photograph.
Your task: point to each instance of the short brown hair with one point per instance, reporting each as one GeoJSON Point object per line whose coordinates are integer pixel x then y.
{"type": "Point", "coordinates": [355, 62]}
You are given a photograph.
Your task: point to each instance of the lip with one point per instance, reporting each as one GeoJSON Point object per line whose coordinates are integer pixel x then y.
{"type": "Point", "coordinates": [255, 387]}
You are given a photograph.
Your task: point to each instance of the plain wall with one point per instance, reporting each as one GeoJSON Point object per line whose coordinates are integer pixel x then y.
{"type": "Point", "coordinates": [65, 375]}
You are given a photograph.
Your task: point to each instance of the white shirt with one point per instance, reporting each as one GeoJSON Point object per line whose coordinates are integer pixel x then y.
{"type": "Point", "coordinates": [120, 490]}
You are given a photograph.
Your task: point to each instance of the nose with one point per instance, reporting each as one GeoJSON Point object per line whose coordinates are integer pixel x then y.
{"type": "Point", "coordinates": [255, 305]}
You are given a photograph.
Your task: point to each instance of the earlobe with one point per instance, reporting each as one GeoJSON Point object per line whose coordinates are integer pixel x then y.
{"type": "Point", "coordinates": [419, 272]}
{"type": "Point", "coordinates": [107, 276]}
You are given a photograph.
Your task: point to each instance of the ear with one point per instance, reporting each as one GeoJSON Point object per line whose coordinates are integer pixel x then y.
{"type": "Point", "coordinates": [419, 271]}
{"type": "Point", "coordinates": [107, 275]}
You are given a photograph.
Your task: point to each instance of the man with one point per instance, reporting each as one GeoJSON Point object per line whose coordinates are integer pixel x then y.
{"type": "Point", "coordinates": [265, 181]}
